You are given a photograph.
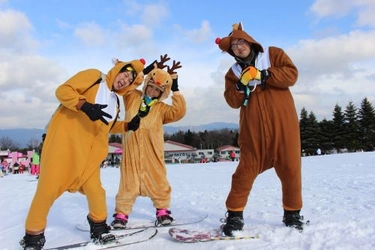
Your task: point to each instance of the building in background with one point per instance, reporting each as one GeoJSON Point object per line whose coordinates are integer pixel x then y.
{"type": "Point", "coordinates": [224, 152]}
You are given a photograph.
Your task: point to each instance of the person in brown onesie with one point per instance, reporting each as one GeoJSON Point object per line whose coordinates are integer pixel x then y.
{"type": "Point", "coordinates": [269, 137]}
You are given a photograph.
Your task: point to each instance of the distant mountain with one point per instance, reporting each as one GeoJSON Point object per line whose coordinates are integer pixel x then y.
{"type": "Point", "coordinates": [24, 136]}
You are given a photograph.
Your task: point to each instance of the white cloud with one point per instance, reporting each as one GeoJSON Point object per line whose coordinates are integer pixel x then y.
{"type": "Point", "coordinates": [153, 14]}
{"type": "Point", "coordinates": [150, 14]}
{"type": "Point", "coordinates": [27, 80]}
{"type": "Point", "coordinates": [132, 7]}
{"type": "Point", "coordinates": [336, 8]}
{"type": "Point", "coordinates": [201, 34]}
{"type": "Point", "coordinates": [134, 35]}
{"type": "Point", "coordinates": [196, 36]}
{"type": "Point", "coordinates": [366, 15]}
{"type": "Point", "coordinates": [336, 67]}
{"type": "Point", "coordinates": [334, 70]}
{"type": "Point", "coordinates": [91, 34]}
{"type": "Point", "coordinates": [203, 86]}
{"type": "Point", "coordinates": [363, 9]}
{"type": "Point", "coordinates": [334, 54]}
{"type": "Point", "coordinates": [15, 31]}
{"type": "Point", "coordinates": [63, 25]}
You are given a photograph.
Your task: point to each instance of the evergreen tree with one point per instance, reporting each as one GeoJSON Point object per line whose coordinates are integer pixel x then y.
{"type": "Point", "coordinates": [176, 137]}
{"type": "Point", "coordinates": [326, 135]}
{"type": "Point", "coordinates": [189, 138]}
{"type": "Point", "coordinates": [351, 128]}
{"type": "Point", "coordinates": [203, 138]}
{"type": "Point", "coordinates": [338, 131]}
{"type": "Point", "coordinates": [312, 134]}
{"type": "Point", "coordinates": [367, 125]}
{"type": "Point", "coordinates": [224, 137]}
{"type": "Point", "coordinates": [235, 140]}
{"type": "Point", "coordinates": [115, 138]}
{"type": "Point", "coordinates": [303, 124]}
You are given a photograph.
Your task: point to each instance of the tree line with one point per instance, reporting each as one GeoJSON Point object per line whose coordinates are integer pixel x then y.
{"type": "Point", "coordinates": [201, 140]}
{"type": "Point", "coordinates": [351, 129]}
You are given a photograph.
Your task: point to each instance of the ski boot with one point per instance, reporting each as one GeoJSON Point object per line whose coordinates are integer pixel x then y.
{"type": "Point", "coordinates": [294, 219]}
{"type": "Point", "coordinates": [120, 221]}
{"type": "Point", "coordinates": [99, 232]}
{"type": "Point", "coordinates": [163, 217]}
{"type": "Point", "coordinates": [234, 222]}
{"type": "Point", "coordinates": [33, 242]}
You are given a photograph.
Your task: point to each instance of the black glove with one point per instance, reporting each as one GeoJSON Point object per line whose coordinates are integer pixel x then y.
{"type": "Point", "coordinates": [95, 112]}
{"type": "Point", "coordinates": [159, 64]}
{"type": "Point", "coordinates": [265, 74]}
{"type": "Point", "coordinates": [175, 85]}
{"type": "Point", "coordinates": [240, 86]}
{"type": "Point", "coordinates": [134, 123]}
{"type": "Point", "coordinates": [149, 68]}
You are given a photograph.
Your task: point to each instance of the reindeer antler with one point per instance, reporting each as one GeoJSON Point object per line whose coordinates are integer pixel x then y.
{"type": "Point", "coordinates": [163, 59]}
{"type": "Point", "coordinates": [176, 65]}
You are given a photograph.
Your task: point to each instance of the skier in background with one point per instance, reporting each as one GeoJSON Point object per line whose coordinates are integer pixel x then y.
{"type": "Point", "coordinates": [233, 155]}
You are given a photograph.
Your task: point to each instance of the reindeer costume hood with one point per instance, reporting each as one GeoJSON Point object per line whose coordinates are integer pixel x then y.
{"type": "Point", "coordinates": [237, 33]}
{"type": "Point", "coordinates": [161, 80]}
{"type": "Point", "coordinates": [136, 65]}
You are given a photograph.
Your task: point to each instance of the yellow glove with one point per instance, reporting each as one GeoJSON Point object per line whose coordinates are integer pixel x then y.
{"type": "Point", "coordinates": [249, 74]}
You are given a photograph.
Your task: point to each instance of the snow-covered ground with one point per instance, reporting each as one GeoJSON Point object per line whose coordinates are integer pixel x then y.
{"type": "Point", "coordinates": [338, 191]}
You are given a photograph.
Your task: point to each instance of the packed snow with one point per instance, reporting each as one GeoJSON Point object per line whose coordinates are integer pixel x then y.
{"type": "Point", "coordinates": [338, 192]}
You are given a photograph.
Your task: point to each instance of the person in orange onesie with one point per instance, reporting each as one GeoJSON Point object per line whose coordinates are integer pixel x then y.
{"type": "Point", "coordinates": [258, 84]}
{"type": "Point", "coordinates": [77, 142]}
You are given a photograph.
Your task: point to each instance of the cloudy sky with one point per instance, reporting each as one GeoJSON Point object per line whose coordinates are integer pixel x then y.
{"type": "Point", "coordinates": [43, 43]}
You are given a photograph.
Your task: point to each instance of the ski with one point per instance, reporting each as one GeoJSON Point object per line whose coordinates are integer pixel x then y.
{"type": "Point", "coordinates": [193, 236]}
{"type": "Point", "coordinates": [121, 240]}
{"type": "Point", "coordinates": [147, 224]}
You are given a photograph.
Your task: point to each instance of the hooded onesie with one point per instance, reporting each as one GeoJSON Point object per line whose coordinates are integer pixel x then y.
{"type": "Point", "coordinates": [143, 171]}
{"type": "Point", "coordinates": [269, 135]}
{"type": "Point", "coordinates": [75, 146]}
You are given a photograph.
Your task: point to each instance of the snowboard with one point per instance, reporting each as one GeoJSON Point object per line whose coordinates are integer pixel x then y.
{"type": "Point", "coordinates": [148, 224]}
{"type": "Point", "coordinates": [121, 240]}
{"type": "Point", "coordinates": [193, 236]}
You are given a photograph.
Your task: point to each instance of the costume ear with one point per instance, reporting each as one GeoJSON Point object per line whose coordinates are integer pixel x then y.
{"type": "Point", "coordinates": [115, 61]}
{"type": "Point", "coordinates": [237, 26]}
